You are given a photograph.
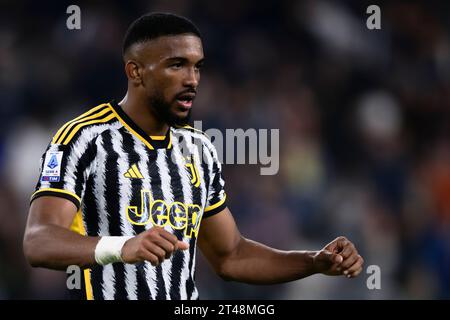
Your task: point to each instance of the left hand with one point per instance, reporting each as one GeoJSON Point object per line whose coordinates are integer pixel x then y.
{"type": "Point", "coordinates": [339, 257]}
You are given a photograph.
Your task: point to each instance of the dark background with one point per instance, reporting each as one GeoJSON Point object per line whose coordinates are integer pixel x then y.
{"type": "Point", "coordinates": [363, 118]}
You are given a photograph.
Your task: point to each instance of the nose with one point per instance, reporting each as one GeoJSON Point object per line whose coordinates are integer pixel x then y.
{"type": "Point", "coordinates": [192, 78]}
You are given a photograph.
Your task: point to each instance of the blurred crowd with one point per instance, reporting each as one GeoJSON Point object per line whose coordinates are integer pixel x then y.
{"type": "Point", "coordinates": [364, 119]}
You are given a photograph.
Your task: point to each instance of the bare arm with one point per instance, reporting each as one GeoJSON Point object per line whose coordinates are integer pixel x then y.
{"type": "Point", "coordinates": [49, 242]}
{"type": "Point", "coordinates": [236, 258]}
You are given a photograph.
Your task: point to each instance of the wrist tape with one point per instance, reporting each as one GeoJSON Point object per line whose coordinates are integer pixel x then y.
{"type": "Point", "coordinates": [109, 249]}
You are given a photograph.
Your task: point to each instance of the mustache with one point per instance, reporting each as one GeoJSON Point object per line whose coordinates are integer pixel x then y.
{"type": "Point", "coordinates": [189, 91]}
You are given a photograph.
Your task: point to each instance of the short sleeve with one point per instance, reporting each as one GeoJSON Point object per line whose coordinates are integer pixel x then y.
{"type": "Point", "coordinates": [64, 170]}
{"type": "Point", "coordinates": [216, 200]}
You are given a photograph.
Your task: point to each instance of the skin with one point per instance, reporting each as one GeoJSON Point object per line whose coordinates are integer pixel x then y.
{"type": "Point", "coordinates": [164, 68]}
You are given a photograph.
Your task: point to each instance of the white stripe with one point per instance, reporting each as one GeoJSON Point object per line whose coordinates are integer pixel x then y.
{"type": "Point", "coordinates": [187, 194]}
{"type": "Point", "coordinates": [211, 160]}
{"type": "Point", "coordinates": [77, 150]}
{"type": "Point", "coordinates": [109, 282]}
{"type": "Point", "coordinates": [125, 197]}
{"type": "Point", "coordinates": [150, 271]}
{"type": "Point", "coordinates": [210, 163]}
{"type": "Point", "coordinates": [150, 276]}
{"type": "Point", "coordinates": [168, 198]}
{"type": "Point", "coordinates": [198, 158]}
{"type": "Point", "coordinates": [99, 193]}
{"type": "Point", "coordinates": [206, 142]}
{"type": "Point", "coordinates": [194, 294]}
{"type": "Point", "coordinates": [193, 148]}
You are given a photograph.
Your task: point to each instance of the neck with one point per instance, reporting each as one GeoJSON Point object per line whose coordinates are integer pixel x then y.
{"type": "Point", "coordinates": [143, 116]}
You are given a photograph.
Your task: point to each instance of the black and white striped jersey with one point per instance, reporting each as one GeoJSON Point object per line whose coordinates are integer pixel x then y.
{"type": "Point", "coordinates": [123, 182]}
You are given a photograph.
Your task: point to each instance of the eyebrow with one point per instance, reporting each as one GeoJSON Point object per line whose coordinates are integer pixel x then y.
{"type": "Point", "coordinates": [183, 59]}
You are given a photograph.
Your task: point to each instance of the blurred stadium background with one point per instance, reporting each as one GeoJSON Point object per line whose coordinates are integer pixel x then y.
{"type": "Point", "coordinates": [364, 119]}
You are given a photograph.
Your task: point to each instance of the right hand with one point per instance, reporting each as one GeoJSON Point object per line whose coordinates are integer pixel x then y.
{"type": "Point", "coordinates": [153, 245]}
{"type": "Point", "coordinates": [339, 257]}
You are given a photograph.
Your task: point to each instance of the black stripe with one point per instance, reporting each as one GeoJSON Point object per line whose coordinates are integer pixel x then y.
{"type": "Point", "coordinates": [89, 204]}
{"type": "Point", "coordinates": [71, 122]}
{"type": "Point", "coordinates": [83, 162]}
{"type": "Point", "coordinates": [208, 180]}
{"type": "Point", "coordinates": [96, 282]}
{"type": "Point", "coordinates": [112, 194]}
{"type": "Point", "coordinates": [196, 199]}
{"type": "Point", "coordinates": [90, 208]}
{"type": "Point", "coordinates": [143, 291]}
{"type": "Point", "coordinates": [56, 194]}
{"type": "Point", "coordinates": [205, 167]}
{"type": "Point", "coordinates": [128, 145]}
{"type": "Point", "coordinates": [119, 273]}
{"type": "Point", "coordinates": [178, 256]}
{"type": "Point", "coordinates": [157, 193]}
{"type": "Point", "coordinates": [83, 125]}
{"type": "Point", "coordinates": [214, 211]}
{"type": "Point", "coordinates": [112, 185]}
{"type": "Point", "coordinates": [216, 178]}
{"type": "Point", "coordinates": [78, 294]}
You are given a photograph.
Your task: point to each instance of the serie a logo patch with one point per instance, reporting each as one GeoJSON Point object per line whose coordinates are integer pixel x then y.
{"type": "Point", "coordinates": [51, 171]}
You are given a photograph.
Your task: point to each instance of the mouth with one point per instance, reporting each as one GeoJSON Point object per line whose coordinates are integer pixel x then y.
{"type": "Point", "coordinates": [185, 100]}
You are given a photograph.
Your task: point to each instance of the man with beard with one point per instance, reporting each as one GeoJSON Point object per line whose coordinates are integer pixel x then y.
{"type": "Point", "coordinates": [125, 186]}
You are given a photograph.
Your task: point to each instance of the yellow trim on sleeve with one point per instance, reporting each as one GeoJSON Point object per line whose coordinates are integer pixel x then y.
{"type": "Point", "coordinates": [218, 204]}
{"type": "Point", "coordinates": [78, 227]}
{"type": "Point", "coordinates": [56, 137]}
{"type": "Point", "coordinates": [57, 190]}
{"type": "Point", "coordinates": [70, 126]}
{"type": "Point", "coordinates": [77, 224]}
{"type": "Point", "coordinates": [79, 126]}
{"type": "Point", "coordinates": [131, 130]}
{"type": "Point", "coordinates": [88, 285]}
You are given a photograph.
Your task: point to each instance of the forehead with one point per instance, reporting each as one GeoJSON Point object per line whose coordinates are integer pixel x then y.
{"type": "Point", "coordinates": [186, 45]}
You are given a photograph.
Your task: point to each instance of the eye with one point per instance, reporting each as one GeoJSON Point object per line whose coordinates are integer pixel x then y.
{"type": "Point", "coordinates": [176, 65]}
{"type": "Point", "coordinates": [199, 66]}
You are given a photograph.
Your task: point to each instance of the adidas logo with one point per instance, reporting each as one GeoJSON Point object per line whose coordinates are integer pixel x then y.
{"type": "Point", "coordinates": [133, 173]}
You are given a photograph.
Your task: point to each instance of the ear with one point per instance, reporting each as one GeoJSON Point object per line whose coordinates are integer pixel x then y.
{"type": "Point", "coordinates": [133, 71]}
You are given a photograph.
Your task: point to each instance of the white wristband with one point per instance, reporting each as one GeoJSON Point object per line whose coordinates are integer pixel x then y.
{"type": "Point", "coordinates": [109, 249]}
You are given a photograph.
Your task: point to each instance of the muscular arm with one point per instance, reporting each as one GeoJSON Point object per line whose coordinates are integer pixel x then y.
{"type": "Point", "coordinates": [236, 258]}
{"type": "Point", "coordinates": [49, 242]}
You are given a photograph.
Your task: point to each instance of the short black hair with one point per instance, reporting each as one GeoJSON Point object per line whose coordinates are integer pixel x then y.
{"type": "Point", "coordinates": [157, 24]}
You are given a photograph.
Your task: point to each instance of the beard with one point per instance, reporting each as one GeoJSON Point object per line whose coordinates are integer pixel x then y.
{"type": "Point", "coordinates": [164, 113]}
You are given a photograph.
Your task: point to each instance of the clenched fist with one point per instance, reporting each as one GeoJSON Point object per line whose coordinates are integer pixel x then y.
{"type": "Point", "coordinates": [339, 257]}
{"type": "Point", "coordinates": [154, 245]}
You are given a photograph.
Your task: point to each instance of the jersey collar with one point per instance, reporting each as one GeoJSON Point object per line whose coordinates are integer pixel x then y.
{"type": "Point", "coordinates": [152, 144]}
